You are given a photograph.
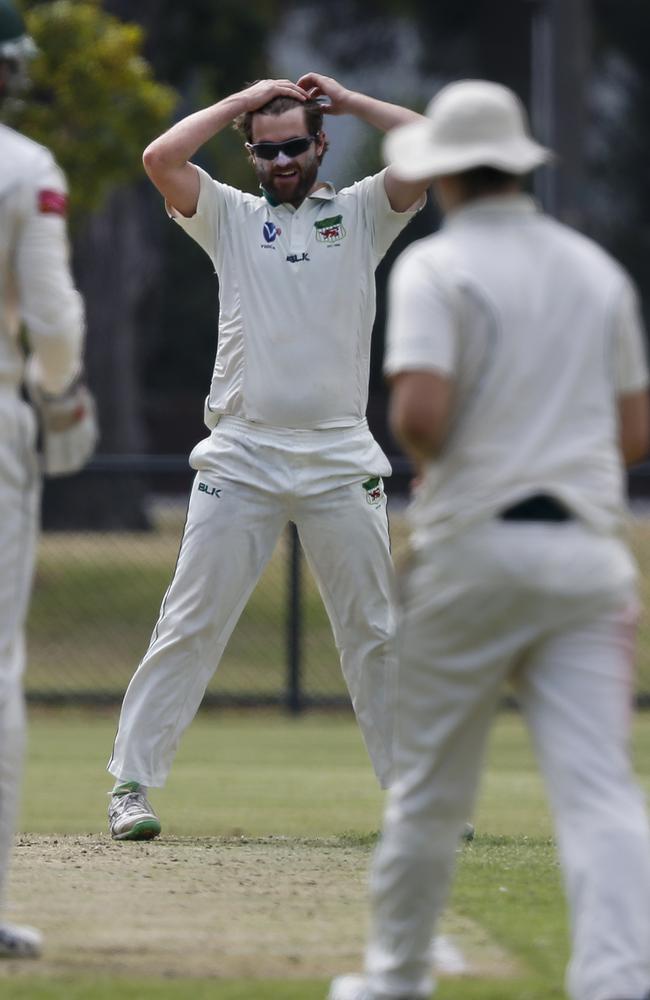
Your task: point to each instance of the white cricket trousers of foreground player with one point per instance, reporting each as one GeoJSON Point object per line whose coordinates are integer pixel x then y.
{"type": "Point", "coordinates": [554, 608]}
{"type": "Point", "coordinates": [252, 481]}
{"type": "Point", "coordinates": [19, 498]}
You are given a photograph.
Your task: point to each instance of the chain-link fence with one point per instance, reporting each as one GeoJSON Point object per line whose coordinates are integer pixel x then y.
{"type": "Point", "coordinates": [97, 595]}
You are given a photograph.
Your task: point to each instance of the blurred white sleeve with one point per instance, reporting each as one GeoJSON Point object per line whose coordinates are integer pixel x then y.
{"type": "Point", "coordinates": [50, 306]}
{"type": "Point", "coordinates": [630, 364]}
{"type": "Point", "coordinates": [421, 327]}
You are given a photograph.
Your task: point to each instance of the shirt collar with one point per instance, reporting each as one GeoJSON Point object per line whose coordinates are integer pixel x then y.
{"type": "Point", "coordinates": [493, 205]}
{"type": "Point", "coordinates": [324, 192]}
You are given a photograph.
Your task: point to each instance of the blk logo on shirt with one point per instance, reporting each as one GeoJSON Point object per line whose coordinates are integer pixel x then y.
{"type": "Point", "coordinates": [212, 491]}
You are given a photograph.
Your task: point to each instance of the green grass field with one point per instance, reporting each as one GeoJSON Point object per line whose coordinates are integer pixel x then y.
{"type": "Point", "coordinates": [270, 786]}
{"type": "Point", "coordinates": [257, 889]}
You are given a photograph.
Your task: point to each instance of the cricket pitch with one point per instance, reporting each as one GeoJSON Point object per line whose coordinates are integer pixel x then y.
{"type": "Point", "coordinates": [208, 907]}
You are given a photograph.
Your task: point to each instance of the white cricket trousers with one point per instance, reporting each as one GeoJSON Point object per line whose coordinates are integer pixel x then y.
{"type": "Point", "coordinates": [552, 607]}
{"type": "Point", "coordinates": [19, 503]}
{"type": "Point", "coordinates": [251, 481]}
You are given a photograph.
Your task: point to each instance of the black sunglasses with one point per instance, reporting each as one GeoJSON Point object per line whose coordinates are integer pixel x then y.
{"type": "Point", "coordinates": [290, 148]}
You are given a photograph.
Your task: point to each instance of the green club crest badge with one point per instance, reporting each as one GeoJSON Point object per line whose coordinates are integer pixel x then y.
{"type": "Point", "coordinates": [374, 490]}
{"type": "Point", "coordinates": [330, 230]}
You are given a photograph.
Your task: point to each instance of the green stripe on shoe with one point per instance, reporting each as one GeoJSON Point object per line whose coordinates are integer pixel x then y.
{"type": "Point", "coordinates": [145, 829]}
{"type": "Point", "coordinates": [124, 787]}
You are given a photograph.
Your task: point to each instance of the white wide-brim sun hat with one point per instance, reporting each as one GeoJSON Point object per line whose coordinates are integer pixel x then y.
{"type": "Point", "coordinates": [472, 123]}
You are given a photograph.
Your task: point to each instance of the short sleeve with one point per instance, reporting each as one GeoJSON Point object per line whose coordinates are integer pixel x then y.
{"type": "Point", "coordinates": [631, 367]}
{"type": "Point", "coordinates": [205, 225]}
{"type": "Point", "coordinates": [421, 327]}
{"type": "Point", "coordinates": [384, 223]}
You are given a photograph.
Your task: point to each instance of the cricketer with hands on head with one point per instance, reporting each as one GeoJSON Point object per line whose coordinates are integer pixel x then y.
{"type": "Point", "coordinates": [37, 295]}
{"type": "Point", "coordinates": [289, 440]}
{"type": "Point", "coordinates": [515, 353]}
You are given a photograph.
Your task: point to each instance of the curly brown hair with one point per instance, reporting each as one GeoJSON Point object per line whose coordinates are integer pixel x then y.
{"type": "Point", "coordinates": [277, 106]}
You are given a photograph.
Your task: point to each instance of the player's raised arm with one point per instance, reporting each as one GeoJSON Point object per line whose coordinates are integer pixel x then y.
{"type": "Point", "coordinates": [166, 159]}
{"type": "Point", "coordinates": [381, 115]}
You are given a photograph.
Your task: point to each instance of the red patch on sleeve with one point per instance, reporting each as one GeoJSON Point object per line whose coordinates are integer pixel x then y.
{"type": "Point", "coordinates": [52, 202]}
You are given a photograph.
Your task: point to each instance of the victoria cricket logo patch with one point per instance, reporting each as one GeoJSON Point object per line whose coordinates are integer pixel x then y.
{"type": "Point", "coordinates": [374, 491]}
{"type": "Point", "coordinates": [270, 232]}
{"type": "Point", "coordinates": [330, 230]}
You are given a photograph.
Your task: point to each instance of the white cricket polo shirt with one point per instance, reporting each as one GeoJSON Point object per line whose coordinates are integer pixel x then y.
{"type": "Point", "coordinates": [540, 330]}
{"type": "Point", "coordinates": [297, 300]}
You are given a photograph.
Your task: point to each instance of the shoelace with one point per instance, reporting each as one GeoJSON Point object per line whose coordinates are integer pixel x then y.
{"type": "Point", "coordinates": [129, 800]}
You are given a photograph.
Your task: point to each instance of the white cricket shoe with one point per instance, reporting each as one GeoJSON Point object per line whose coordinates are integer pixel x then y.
{"type": "Point", "coordinates": [20, 942]}
{"type": "Point", "coordinates": [130, 815]}
{"type": "Point", "coordinates": [447, 958]}
{"type": "Point", "coordinates": [356, 987]}
{"type": "Point", "coordinates": [349, 988]}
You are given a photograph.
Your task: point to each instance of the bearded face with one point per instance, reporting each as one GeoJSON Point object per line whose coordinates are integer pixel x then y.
{"type": "Point", "coordinates": [289, 175]}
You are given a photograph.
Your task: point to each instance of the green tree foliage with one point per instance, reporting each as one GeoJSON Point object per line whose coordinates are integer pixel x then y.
{"type": "Point", "coordinates": [94, 100]}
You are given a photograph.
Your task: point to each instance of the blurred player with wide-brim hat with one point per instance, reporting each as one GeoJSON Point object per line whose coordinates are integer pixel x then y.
{"type": "Point", "coordinates": [519, 388]}
{"type": "Point", "coordinates": [473, 123]}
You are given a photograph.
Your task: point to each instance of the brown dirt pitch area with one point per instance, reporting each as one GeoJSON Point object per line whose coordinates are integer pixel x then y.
{"type": "Point", "coordinates": [227, 908]}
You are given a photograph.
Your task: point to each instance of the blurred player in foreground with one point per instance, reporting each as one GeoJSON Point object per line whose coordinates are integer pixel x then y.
{"type": "Point", "coordinates": [36, 290]}
{"type": "Point", "coordinates": [519, 389]}
{"type": "Point", "coordinates": [289, 439]}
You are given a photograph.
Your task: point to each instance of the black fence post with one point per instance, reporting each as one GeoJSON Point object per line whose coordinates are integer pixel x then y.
{"type": "Point", "coordinates": [294, 625]}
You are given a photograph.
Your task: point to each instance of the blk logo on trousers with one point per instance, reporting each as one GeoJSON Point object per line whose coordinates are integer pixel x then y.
{"type": "Point", "coordinates": [212, 491]}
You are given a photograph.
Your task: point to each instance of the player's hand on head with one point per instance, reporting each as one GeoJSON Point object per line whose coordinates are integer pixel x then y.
{"type": "Point", "coordinates": [316, 85]}
{"type": "Point", "coordinates": [260, 93]}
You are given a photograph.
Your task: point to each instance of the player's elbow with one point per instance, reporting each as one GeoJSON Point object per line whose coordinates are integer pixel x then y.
{"type": "Point", "coordinates": [158, 161]}
{"type": "Point", "coordinates": [421, 431]}
{"type": "Point", "coordinates": [424, 441]}
{"type": "Point", "coordinates": [635, 446]}
{"type": "Point", "coordinates": [420, 411]}
{"type": "Point", "coordinates": [152, 160]}
{"type": "Point", "coordinates": [634, 426]}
